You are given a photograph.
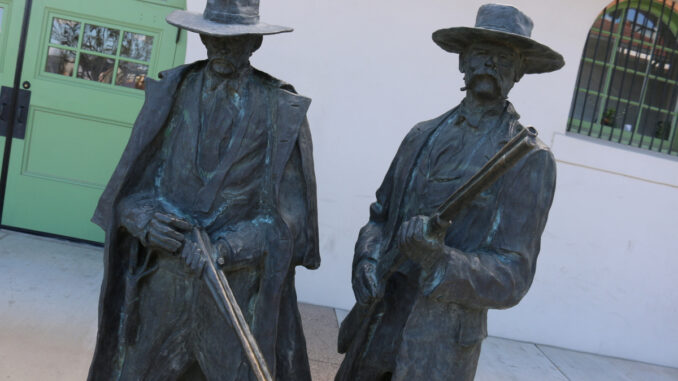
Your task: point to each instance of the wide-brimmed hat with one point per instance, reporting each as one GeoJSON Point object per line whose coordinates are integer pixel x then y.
{"type": "Point", "coordinates": [226, 18]}
{"type": "Point", "coordinates": [506, 25]}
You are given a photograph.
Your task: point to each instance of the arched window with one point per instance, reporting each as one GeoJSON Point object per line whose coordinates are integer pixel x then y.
{"type": "Point", "coordinates": [627, 88]}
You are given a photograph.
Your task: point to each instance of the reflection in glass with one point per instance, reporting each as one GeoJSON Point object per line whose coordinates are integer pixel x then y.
{"type": "Point", "coordinates": [626, 84]}
{"type": "Point", "coordinates": [599, 46]}
{"type": "Point", "coordinates": [2, 11]}
{"type": "Point", "coordinates": [100, 39]}
{"type": "Point", "coordinates": [609, 23]}
{"type": "Point", "coordinates": [660, 94]}
{"type": "Point", "coordinates": [65, 32]}
{"type": "Point", "coordinates": [593, 73]}
{"type": "Point", "coordinates": [587, 108]}
{"type": "Point", "coordinates": [656, 123]}
{"type": "Point", "coordinates": [95, 68]}
{"type": "Point", "coordinates": [132, 75]}
{"type": "Point", "coordinates": [625, 118]}
{"type": "Point", "coordinates": [136, 46]}
{"type": "Point", "coordinates": [60, 61]}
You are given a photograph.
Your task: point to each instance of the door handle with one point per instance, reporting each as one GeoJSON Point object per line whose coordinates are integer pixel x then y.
{"type": "Point", "coordinates": [21, 118]}
{"type": "Point", "coordinates": [23, 102]}
{"type": "Point", "coordinates": [3, 111]}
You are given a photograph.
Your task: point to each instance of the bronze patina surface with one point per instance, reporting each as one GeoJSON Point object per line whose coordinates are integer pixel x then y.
{"type": "Point", "coordinates": [426, 271]}
{"type": "Point", "coordinates": [211, 208]}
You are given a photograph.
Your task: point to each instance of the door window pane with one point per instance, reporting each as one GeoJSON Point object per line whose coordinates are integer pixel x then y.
{"type": "Point", "coordinates": [132, 75]}
{"type": "Point", "coordinates": [624, 116]}
{"type": "Point", "coordinates": [95, 68]}
{"type": "Point", "coordinates": [137, 46]}
{"type": "Point", "coordinates": [2, 11]}
{"type": "Point", "coordinates": [98, 53]}
{"type": "Point", "coordinates": [626, 84]}
{"type": "Point", "coordinates": [661, 94]}
{"type": "Point", "coordinates": [60, 61]}
{"type": "Point", "coordinates": [100, 39]}
{"type": "Point", "coordinates": [586, 108]}
{"type": "Point", "coordinates": [65, 32]}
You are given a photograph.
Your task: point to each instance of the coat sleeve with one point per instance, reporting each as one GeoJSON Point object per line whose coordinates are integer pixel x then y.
{"type": "Point", "coordinates": [298, 209]}
{"type": "Point", "coordinates": [501, 272]}
{"type": "Point", "coordinates": [134, 211]}
{"type": "Point", "coordinates": [158, 103]}
{"type": "Point", "coordinates": [371, 236]}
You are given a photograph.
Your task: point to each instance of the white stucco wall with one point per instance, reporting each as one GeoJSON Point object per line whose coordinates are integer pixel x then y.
{"type": "Point", "coordinates": [604, 281]}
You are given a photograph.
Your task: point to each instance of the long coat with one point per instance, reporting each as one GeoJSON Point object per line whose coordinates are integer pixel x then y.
{"type": "Point", "coordinates": [277, 327]}
{"type": "Point", "coordinates": [414, 332]}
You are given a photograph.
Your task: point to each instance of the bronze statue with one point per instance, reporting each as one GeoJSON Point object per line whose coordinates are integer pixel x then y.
{"type": "Point", "coordinates": [456, 226]}
{"type": "Point", "coordinates": [210, 209]}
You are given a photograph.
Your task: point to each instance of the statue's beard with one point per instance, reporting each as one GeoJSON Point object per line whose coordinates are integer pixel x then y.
{"type": "Point", "coordinates": [485, 86]}
{"type": "Point", "coordinates": [226, 66]}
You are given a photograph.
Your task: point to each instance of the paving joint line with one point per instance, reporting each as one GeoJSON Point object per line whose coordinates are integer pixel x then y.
{"type": "Point", "coordinates": [552, 362]}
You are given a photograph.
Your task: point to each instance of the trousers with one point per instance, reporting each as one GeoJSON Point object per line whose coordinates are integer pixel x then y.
{"type": "Point", "coordinates": [182, 335]}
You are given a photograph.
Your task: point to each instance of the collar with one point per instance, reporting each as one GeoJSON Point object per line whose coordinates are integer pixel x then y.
{"type": "Point", "coordinates": [234, 79]}
{"type": "Point", "coordinates": [476, 118]}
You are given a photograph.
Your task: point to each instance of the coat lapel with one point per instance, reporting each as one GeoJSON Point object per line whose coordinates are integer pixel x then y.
{"type": "Point", "coordinates": [414, 143]}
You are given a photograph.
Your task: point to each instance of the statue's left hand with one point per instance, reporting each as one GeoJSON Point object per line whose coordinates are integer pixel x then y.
{"type": "Point", "coordinates": [166, 232]}
{"type": "Point", "coordinates": [192, 255]}
{"type": "Point", "coordinates": [420, 245]}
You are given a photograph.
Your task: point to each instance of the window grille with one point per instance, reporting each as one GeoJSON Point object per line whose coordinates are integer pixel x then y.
{"type": "Point", "coordinates": [627, 87]}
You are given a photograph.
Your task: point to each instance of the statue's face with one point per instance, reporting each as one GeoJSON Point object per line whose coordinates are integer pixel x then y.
{"type": "Point", "coordinates": [490, 70]}
{"type": "Point", "coordinates": [228, 54]}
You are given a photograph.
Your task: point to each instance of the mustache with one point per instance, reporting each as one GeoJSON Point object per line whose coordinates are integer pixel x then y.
{"type": "Point", "coordinates": [480, 74]}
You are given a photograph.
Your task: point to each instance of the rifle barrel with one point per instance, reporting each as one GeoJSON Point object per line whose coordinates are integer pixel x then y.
{"type": "Point", "coordinates": [508, 156]}
{"type": "Point", "coordinates": [225, 299]}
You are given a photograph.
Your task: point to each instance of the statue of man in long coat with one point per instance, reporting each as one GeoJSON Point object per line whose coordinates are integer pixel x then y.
{"type": "Point", "coordinates": [226, 149]}
{"type": "Point", "coordinates": [432, 317]}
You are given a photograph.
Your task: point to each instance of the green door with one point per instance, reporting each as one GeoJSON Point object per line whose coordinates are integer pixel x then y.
{"type": "Point", "coordinates": [86, 62]}
{"type": "Point", "coordinates": [11, 14]}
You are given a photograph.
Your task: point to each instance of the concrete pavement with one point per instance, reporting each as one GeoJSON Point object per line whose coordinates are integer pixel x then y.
{"type": "Point", "coordinates": [48, 310]}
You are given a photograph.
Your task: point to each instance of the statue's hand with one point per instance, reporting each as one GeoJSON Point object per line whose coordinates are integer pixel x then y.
{"type": "Point", "coordinates": [166, 232]}
{"type": "Point", "coordinates": [365, 282]}
{"type": "Point", "coordinates": [419, 244]}
{"type": "Point", "coordinates": [192, 255]}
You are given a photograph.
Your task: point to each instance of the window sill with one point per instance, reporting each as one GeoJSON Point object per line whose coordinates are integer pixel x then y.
{"type": "Point", "coordinates": [614, 158]}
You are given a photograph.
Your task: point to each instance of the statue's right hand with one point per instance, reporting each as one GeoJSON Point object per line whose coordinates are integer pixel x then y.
{"type": "Point", "coordinates": [166, 232]}
{"type": "Point", "coordinates": [365, 282]}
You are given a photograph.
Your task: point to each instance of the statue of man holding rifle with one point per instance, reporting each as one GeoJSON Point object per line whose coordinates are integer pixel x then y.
{"type": "Point", "coordinates": [456, 226]}
{"type": "Point", "coordinates": [210, 209]}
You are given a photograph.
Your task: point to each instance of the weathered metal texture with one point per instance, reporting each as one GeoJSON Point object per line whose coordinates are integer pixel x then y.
{"type": "Point", "coordinates": [502, 24]}
{"type": "Point", "coordinates": [226, 302]}
{"type": "Point", "coordinates": [225, 150]}
{"type": "Point", "coordinates": [426, 318]}
{"type": "Point", "coordinates": [226, 18]}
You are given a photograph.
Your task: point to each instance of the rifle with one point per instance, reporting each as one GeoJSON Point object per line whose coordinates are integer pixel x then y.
{"type": "Point", "coordinates": [225, 299]}
{"type": "Point", "coordinates": [505, 159]}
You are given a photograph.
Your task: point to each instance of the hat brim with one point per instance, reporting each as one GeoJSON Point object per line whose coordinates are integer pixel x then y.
{"type": "Point", "coordinates": [195, 22]}
{"type": "Point", "coordinates": [538, 58]}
